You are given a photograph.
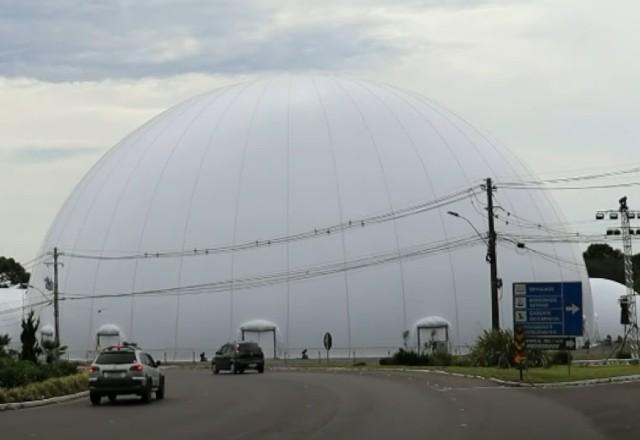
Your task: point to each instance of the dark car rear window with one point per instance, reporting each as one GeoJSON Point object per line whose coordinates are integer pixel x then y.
{"type": "Point", "coordinates": [117, 357]}
{"type": "Point", "coordinates": [248, 346]}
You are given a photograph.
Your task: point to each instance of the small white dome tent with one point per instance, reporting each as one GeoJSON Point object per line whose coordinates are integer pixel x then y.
{"type": "Point", "coordinates": [107, 335]}
{"type": "Point", "coordinates": [432, 333]}
{"type": "Point", "coordinates": [47, 333]}
{"type": "Point", "coordinates": [264, 333]}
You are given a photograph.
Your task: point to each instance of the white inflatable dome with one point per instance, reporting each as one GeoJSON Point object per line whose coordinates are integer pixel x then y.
{"type": "Point", "coordinates": [316, 203]}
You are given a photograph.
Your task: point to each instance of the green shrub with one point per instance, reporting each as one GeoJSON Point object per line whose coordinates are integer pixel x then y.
{"type": "Point", "coordinates": [494, 348]}
{"type": "Point", "coordinates": [406, 357]}
{"type": "Point", "coordinates": [560, 357]}
{"type": "Point", "coordinates": [623, 355]}
{"type": "Point", "coordinates": [441, 358]}
{"type": "Point", "coordinates": [462, 361]}
{"type": "Point", "coordinates": [410, 358]}
{"type": "Point", "coordinates": [539, 358]}
{"type": "Point", "coordinates": [14, 373]}
{"type": "Point", "coordinates": [57, 386]}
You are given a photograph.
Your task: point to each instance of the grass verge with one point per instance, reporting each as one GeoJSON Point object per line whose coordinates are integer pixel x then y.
{"type": "Point", "coordinates": [58, 386]}
{"type": "Point", "coordinates": [556, 373]}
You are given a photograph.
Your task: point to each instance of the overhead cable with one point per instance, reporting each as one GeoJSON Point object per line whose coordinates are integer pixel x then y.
{"type": "Point", "coordinates": [295, 275]}
{"type": "Point", "coordinates": [316, 232]}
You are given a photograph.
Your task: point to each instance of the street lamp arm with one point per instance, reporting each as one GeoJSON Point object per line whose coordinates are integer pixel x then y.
{"type": "Point", "coordinates": [39, 291]}
{"type": "Point", "coordinates": [455, 214]}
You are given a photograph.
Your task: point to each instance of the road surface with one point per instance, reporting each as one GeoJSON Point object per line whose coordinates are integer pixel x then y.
{"type": "Point", "coordinates": [337, 405]}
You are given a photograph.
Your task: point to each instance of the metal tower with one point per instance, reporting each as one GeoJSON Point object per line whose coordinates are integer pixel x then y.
{"type": "Point", "coordinates": [628, 301]}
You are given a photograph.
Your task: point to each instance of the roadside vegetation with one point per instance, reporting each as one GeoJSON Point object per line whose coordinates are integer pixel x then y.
{"type": "Point", "coordinates": [556, 373]}
{"type": "Point", "coordinates": [37, 371]}
{"type": "Point", "coordinates": [492, 356]}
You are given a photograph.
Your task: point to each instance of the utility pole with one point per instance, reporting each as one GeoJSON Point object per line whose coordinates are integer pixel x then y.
{"type": "Point", "coordinates": [56, 309]}
{"type": "Point", "coordinates": [629, 315]}
{"type": "Point", "coordinates": [492, 259]}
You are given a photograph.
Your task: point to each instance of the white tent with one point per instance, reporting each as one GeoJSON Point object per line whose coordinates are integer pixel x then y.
{"type": "Point", "coordinates": [264, 332]}
{"type": "Point", "coordinates": [107, 335]}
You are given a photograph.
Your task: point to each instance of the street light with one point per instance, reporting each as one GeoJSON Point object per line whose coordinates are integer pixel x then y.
{"type": "Point", "coordinates": [496, 283]}
{"type": "Point", "coordinates": [455, 214]}
{"type": "Point", "coordinates": [44, 295]}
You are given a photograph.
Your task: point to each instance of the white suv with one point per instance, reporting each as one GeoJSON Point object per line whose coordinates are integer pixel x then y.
{"type": "Point", "coordinates": [124, 369]}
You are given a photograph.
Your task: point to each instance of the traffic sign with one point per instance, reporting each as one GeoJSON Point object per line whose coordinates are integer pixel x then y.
{"type": "Point", "coordinates": [548, 309]}
{"type": "Point", "coordinates": [519, 342]}
{"type": "Point", "coordinates": [551, 343]}
{"type": "Point", "coordinates": [327, 340]}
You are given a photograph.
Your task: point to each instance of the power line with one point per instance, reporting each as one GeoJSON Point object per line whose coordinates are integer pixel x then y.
{"type": "Point", "coordinates": [35, 260]}
{"type": "Point", "coordinates": [299, 274]}
{"type": "Point", "coordinates": [602, 175]}
{"type": "Point", "coordinates": [19, 309]}
{"type": "Point", "coordinates": [315, 233]}
{"type": "Point", "coordinates": [546, 256]}
{"type": "Point", "coordinates": [542, 186]}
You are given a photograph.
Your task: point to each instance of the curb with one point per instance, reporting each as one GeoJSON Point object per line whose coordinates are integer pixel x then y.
{"type": "Point", "coordinates": [42, 402]}
{"type": "Point", "coordinates": [509, 383]}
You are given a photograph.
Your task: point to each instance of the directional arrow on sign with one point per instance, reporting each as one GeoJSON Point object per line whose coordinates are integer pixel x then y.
{"type": "Point", "coordinates": [570, 344]}
{"type": "Point", "coordinates": [573, 309]}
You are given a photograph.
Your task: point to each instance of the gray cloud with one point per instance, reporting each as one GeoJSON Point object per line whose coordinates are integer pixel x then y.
{"type": "Point", "coordinates": [35, 155]}
{"type": "Point", "coordinates": [71, 40]}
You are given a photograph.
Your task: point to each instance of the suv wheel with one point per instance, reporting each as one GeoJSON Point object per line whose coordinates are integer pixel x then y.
{"type": "Point", "coordinates": [160, 390]}
{"type": "Point", "coordinates": [146, 394]}
{"type": "Point", "coordinates": [95, 398]}
{"type": "Point", "coordinates": [261, 368]}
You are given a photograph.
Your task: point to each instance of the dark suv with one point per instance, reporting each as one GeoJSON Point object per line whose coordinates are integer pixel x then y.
{"type": "Point", "coordinates": [237, 357]}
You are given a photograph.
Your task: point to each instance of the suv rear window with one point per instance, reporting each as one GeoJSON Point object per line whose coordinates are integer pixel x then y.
{"type": "Point", "coordinates": [248, 346]}
{"type": "Point", "coordinates": [117, 357]}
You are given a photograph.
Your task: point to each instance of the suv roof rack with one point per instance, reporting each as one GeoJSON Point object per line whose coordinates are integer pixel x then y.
{"type": "Point", "coordinates": [124, 346]}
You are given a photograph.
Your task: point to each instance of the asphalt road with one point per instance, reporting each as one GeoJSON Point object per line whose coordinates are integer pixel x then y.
{"type": "Point", "coordinates": [337, 405]}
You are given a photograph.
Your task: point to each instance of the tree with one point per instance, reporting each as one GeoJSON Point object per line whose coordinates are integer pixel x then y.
{"type": "Point", "coordinates": [603, 261]}
{"type": "Point", "coordinates": [4, 343]}
{"type": "Point", "coordinates": [29, 338]}
{"type": "Point", "coordinates": [12, 273]}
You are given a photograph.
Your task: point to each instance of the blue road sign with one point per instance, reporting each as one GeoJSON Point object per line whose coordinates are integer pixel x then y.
{"type": "Point", "coordinates": [548, 309]}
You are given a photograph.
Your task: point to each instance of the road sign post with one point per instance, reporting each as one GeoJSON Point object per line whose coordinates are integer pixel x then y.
{"type": "Point", "coordinates": [327, 340]}
{"type": "Point", "coordinates": [520, 346]}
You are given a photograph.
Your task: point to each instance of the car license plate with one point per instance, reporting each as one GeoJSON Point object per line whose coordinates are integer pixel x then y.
{"type": "Point", "coordinates": [114, 374]}
{"type": "Point", "coordinates": [253, 365]}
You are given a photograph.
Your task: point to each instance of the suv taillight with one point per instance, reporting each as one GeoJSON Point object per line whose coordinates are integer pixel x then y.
{"type": "Point", "coordinates": [94, 369]}
{"type": "Point", "coordinates": [136, 367]}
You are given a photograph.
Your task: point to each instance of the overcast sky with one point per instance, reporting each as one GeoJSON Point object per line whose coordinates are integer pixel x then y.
{"type": "Point", "coordinates": [555, 81]}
